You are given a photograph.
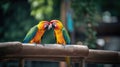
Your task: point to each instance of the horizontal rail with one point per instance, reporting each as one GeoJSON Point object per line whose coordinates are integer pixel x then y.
{"type": "Point", "coordinates": [10, 47]}
{"type": "Point", "coordinates": [55, 52]}
{"type": "Point", "coordinates": [103, 56]}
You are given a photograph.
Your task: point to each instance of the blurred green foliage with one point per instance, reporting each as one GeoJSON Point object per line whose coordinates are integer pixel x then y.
{"type": "Point", "coordinates": [18, 16]}
{"type": "Point", "coordinates": [16, 19]}
{"type": "Point", "coordinates": [86, 13]}
{"type": "Point", "coordinates": [41, 8]}
{"type": "Point", "coordinates": [45, 9]}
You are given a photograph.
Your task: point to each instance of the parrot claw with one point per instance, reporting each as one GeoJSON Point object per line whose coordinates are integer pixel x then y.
{"type": "Point", "coordinates": [63, 46]}
{"type": "Point", "coordinates": [35, 44]}
{"type": "Point", "coordinates": [43, 44]}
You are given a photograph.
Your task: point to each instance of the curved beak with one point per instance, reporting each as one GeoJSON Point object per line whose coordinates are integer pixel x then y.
{"type": "Point", "coordinates": [50, 26]}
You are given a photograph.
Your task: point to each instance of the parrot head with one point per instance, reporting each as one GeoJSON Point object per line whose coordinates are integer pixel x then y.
{"type": "Point", "coordinates": [56, 24]}
{"type": "Point", "coordinates": [42, 25]}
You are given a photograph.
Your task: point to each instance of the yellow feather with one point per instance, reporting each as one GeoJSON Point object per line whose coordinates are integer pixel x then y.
{"type": "Point", "coordinates": [39, 34]}
{"type": "Point", "coordinates": [37, 37]}
{"type": "Point", "coordinates": [59, 37]}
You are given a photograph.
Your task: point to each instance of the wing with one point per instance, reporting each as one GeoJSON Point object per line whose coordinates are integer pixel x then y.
{"type": "Point", "coordinates": [30, 34]}
{"type": "Point", "coordinates": [66, 36]}
{"type": "Point", "coordinates": [48, 37]}
{"type": "Point", "coordinates": [67, 39]}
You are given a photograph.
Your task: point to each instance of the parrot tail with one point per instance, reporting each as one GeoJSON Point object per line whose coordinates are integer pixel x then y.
{"type": "Point", "coordinates": [68, 61]}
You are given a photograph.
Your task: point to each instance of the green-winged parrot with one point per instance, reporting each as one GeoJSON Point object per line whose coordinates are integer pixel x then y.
{"type": "Point", "coordinates": [52, 32]}
{"type": "Point", "coordinates": [42, 33]}
{"type": "Point", "coordinates": [36, 32]}
{"type": "Point", "coordinates": [61, 36]}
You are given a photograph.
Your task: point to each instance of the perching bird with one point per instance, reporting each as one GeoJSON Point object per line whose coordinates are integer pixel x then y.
{"type": "Point", "coordinates": [61, 36]}
{"type": "Point", "coordinates": [49, 33]}
{"type": "Point", "coordinates": [35, 34]}
{"type": "Point", "coordinates": [41, 34]}
{"type": "Point", "coordinates": [61, 33]}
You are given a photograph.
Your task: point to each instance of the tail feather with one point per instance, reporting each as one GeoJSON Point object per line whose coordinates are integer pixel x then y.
{"type": "Point", "coordinates": [68, 61]}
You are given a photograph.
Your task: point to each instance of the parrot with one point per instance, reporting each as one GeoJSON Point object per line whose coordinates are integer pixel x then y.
{"type": "Point", "coordinates": [61, 36]}
{"type": "Point", "coordinates": [42, 33]}
{"type": "Point", "coordinates": [61, 33]}
{"type": "Point", "coordinates": [36, 32]}
{"type": "Point", "coordinates": [48, 33]}
{"type": "Point", "coordinates": [52, 32]}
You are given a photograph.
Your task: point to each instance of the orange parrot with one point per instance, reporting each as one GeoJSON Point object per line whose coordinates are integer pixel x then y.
{"type": "Point", "coordinates": [61, 36]}
{"type": "Point", "coordinates": [35, 34]}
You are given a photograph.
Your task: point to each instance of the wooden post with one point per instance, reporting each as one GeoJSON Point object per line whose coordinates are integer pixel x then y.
{"type": "Point", "coordinates": [82, 64]}
{"type": "Point", "coordinates": [63, 12]}
{"type": "Point", "coordinates": [21, 62]}
{"type": "Point", "coordinates": [62, 64]}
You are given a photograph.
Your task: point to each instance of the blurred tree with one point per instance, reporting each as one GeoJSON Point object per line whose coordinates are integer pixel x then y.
{"type": "Point", "coordinates": [45, 9]}
{"type": "Point", "coordinates": [41, 9]}
{"type": "Point", "coordinates": [86, 14]}
{"type": "Point", "coordinates": [16, 20]}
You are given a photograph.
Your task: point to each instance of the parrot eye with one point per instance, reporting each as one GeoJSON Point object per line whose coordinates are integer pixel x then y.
{"type": "Point", "coordinates": [54, 24]}
{"type": "Point", "coordinates": [46, 26]}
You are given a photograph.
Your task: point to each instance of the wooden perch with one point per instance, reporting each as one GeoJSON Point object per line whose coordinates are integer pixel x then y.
{"type": "Point", "coordinates": [55, 52]}
{"type": "Point", "coordinates": [103, 56]}
{"type": "Point", "coordinates": [10, 47]}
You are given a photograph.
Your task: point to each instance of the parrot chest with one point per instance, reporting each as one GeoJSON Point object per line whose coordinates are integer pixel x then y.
{"type": "Point", "coordinates": [59, 37]}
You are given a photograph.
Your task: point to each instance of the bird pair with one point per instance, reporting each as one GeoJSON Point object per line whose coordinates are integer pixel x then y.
{"type": "Point", "coordinates": [48, 33]}
{"type": "Point", "coordinates": [52, 32]}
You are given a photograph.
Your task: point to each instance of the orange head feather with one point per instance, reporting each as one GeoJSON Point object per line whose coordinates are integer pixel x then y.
{"type": "Point", "coordinates": [43, 25]}
{"type": "Point", "coordinates": [57, 24]}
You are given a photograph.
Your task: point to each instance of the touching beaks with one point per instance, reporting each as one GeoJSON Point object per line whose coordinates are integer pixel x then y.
{"type": "Point", "coordinates": [50, 26]}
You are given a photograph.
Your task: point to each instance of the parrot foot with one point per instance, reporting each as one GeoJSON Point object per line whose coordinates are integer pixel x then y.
{"type": "Point", "coordinates": [63, 46]}
{"type": "Point", "coordinates": [35, 44]}
{"type": "Point", "coordinates": [43, 44]}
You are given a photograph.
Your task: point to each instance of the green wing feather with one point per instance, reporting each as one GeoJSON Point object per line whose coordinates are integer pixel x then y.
{"type": "Point", "coordinates": [67, 39]}
{"type": "Point", "coordinates": [66, 36]}
{"type": "Point", "coordinates": [30, 34]}
{"type": "Point", "coordinates": [48, 37]}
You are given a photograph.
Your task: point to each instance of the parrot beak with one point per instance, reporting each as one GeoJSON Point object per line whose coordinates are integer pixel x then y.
{"type": "Point", "coordinates": [50, 26]}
